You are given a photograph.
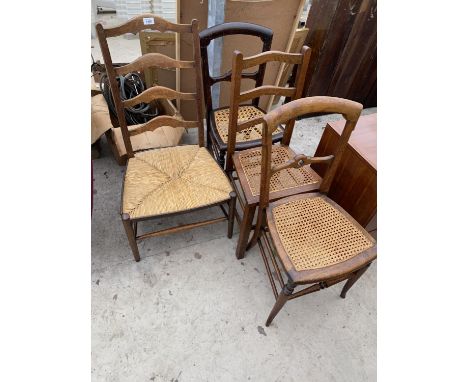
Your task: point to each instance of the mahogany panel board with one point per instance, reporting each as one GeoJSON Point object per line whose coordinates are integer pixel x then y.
{"type": "Point", "coordinates": [355, 184]}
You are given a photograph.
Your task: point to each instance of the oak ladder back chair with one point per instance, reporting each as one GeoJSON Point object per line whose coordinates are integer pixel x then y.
{"type": "Point", "coordinates": [123, 143]}
{"type": "Point", "coordinates": [316, 241]}
{"type": "Point", "coordinates": [217, 120]}
{"type": "Point", "coordinates": [173, 180]}
{"type": "Point", "coordinates": [247, 163]}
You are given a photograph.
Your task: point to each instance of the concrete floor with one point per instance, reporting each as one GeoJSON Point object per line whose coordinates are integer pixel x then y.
{"type": "Point", "coordinates": [189, 311]}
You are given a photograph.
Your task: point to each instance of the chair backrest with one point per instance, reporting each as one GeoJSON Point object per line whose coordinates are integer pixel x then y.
{"type": "Point", "coordinates": [239, 63]}
{"type": "Point", "coordinates": [151, 60]}
{"type": "Point", "coordinates": [349, 109]}
{"type": "Point", "coordinates": [227, 29]}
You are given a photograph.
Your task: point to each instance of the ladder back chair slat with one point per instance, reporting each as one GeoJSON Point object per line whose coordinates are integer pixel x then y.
{"type": "Point", "coordinates": [160, 121]}
{"type": "Point", "coordinates": [156, 92]}
{"type": "Point", "coordinates": [151, 60]}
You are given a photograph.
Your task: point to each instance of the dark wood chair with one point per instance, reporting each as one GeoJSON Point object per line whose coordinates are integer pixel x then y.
{"type": "Point", "coordinates": [217, 120]}
{"type": "Point", "coordinates": [173, 180]}
{"type": "Point", "coordinates": [243, 167]}
{"type": "Point", "coordinates": [317, 243]}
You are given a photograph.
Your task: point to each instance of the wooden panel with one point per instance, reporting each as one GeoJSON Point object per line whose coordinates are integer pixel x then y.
{"type": "Point", "coordinates": [343, 38]}
{"type": "Point", "coordinates": [363, 139]}
{"type": "Point", "coordinates": [187, 10]}
{"type": "Point", "coordinates": [280, 16]}
{"type": "Point", "coordinates": [164, 43]}
{"type": "Point", "coordinates": [355, 185]}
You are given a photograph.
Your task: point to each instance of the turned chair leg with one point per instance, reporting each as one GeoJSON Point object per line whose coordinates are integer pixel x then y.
{"type": "Point", "coordinates": [355, 277]}
{"type": "Point", "coordinates": [232, 208]}
{"type": "Point", "coordinates": [287, 290]}
{"type": "Point", "coordinates": [131, 236]}
{"type": "Point", "coordinates": [244, 230]}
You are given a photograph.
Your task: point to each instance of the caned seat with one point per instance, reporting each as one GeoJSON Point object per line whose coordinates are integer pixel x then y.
{"type": "Point", "coordinates": [314, 232]}
{"type": "Point", "coordinates": [173, 179]}
{"type": "Point", "coordinates": [220, 121]}
{"type": "Point", "coordinates": [285, 182]}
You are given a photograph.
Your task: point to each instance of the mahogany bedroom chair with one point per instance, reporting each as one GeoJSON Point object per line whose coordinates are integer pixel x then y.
{"type": "Point", "coordinates": [217, 120]}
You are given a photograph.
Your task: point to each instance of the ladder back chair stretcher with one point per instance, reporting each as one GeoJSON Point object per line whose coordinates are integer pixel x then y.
{"type": "Point", "coordinates": [317, 243]}
{"type": "Point", "coordinates": [217, 120]}
{"type": "Point", "coordinates": [243, 167]}
{"type": "Point", "coordinates": [173, 180]}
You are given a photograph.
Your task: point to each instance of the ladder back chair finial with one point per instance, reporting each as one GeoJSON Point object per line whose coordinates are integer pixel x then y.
{"type": "Point", "coordinates": [317, 242]}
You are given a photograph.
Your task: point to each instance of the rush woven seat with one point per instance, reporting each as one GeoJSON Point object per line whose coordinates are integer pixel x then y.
{"type": "Point", "coordinates": [250, 163]}
{"type": "Point", "coordinates": [246, 112]}
{"type": "Point", "coordinates": [172, 179]}
{"type": "Point", "coordinates": [315, 234]}
{"type": "Point", "coordinates": [168, 180]}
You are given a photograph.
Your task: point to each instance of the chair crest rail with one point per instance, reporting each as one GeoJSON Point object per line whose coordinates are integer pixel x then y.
{"type": "Point", "coordinates": [147, 21]}
{"type": "Point", "coordinates": [272, 55]}
{"type": "Point", "coordinates": [266, 90]}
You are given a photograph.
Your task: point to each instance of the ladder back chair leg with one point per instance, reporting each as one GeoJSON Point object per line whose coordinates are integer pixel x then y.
{"type": "Point", "coordinates": [355, 277]}
{"type": "Point", "coordinates": [287, 291]}
{"type": "Point", "coordinates": [131, 236]}
{"type": "Point", "coordinates": [232, 208]}
{"type": "Point", "coordinates": [244, 230]}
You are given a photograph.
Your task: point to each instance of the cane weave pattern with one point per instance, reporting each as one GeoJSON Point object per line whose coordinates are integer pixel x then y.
{"type": "Point", "coordinates": [171, 180]}
{"type": "Point", "coordinates": [245, 113]}
{"type": "Point", "coordinates": [315, 234]}
{"type": "Point", "coordinates": [251, 161]}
